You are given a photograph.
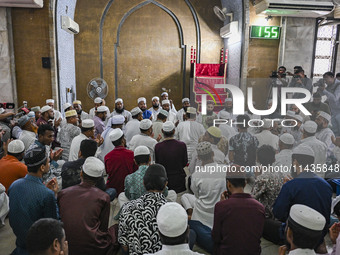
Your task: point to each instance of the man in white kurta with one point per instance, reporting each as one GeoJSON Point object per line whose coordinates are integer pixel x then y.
{"type": "Point", "coordinates": [228, 107]}
{"type": "Point", "coordinates": [190, 131]}
{"type": "Point", "coordinates": [265, 137]}
{"type": "Point", "coordinates": [165, 96]}
{"type": "Point", "coordinates": [28, 134]}
{"type": "Point", "coordinates": [284, 157]}
{"type": "Point", "coordinates": [182, 111]}
{"type": "Point", "coordinates": [132, 127]}
{"type": "Point", "coordinates": [324, 133]}
{"type": "Point", "coordinates": [157, 126]}
{"type": "Point", "coordinates": [87, 130]}
{"type": "Point", "coordinates": [57, 114]}
{"type": "Point", "coordinates": [144, 138]}
{"type": "Point", "coordinates": [98, 102]}
{"type": "Point", "coordinates": [155, 109]}
{"type": "Point", "coordinates": [82, 115]}
{"type": "Point", "coordinates": [171, 115]}
{"type": "Point", "coordinates": [226, 129]}
{"type": "Point", "coordinates": [119, 110]}
{"type": "Point", "coordinates": [116, 121]}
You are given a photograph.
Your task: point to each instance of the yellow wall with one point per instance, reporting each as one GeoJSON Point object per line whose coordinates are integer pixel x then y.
{"type": "Point", "coordinates": [149, 56]}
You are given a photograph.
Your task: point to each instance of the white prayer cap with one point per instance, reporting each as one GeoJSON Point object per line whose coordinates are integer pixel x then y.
{"type": "Point", "coordinates": [49, 101]}
{"type": "Point", "coordinates": [145, 124]}
{"type": "Point", "coordinates": [16, 146]}
{"type": "Point", "coordinates": [335, 201]}
{"type": "Point", "coordinates": [295, 116]}
{"type": "Point", "coordinates": [172, 220]}
{"type": "Point", "coordinates": [141, 150]}
{"type": "Point", "coordinates": [71, 113]}
{"type": "Point", "coordinates": [102, 108]}
{"type": "Point", "coordinates": [135, 111]}
{"type": "Point", "coordinates": [303, 150]}
{"type": "Point", "coordinates": [45, 108]}
{"type": "Point", "coordinates": [35, 109]}
{"type": "Point", "coordinates": [287, 138]}
{"type": "Point", "coordinates": [117, 120]}
{"type": "Point", "coordinates": [23, 120]}
{"type": "Point", "coordinates": [166, 101]}
{"type": "Point", "coordinates": [307, 217]}
{"type": "Point", "coordinates": [93, 167]}
{"type": "Point", "coordinates": [141, 99]}
{"type": "Point", "coordinates": [31, 114]}
{"type": "Point", "coordinates": [228, 99]}
{"type": "Point", "coordinates": [87, 123]}
{"type": "Point", "coordinates": [155, 97]}
{"type": "Point", "coordinates": [66, 105]}
{"type": "Point", "coordinates": [2, 110]}
{"type": "Point", "coordinates": [168, 126]}
{"type": "Point", "coordinates": [325, 115]}
{"type": "Point", "coordinates": [310, 126]}
{"type": "Point", "coordinates": [224, 115]}
{"type": "Point", "coordinates": [164, 93]}
{"type": "Point", "coordinates": [267, 123]}
{"type": "Point", "coordinates": [116, 134]}
{"type": "Point", "coordinates": [164, 112]}
{"type": "Point", "coordinates": [191, 110]}
{"type": "Point", "coordinates": [98, 100]}
{"type": "Point", "coordinates": [203, 148]}
{"type": "Point", "coordinates": [119, 100]}
{"type": "Point", "coordinates": [185, 100]}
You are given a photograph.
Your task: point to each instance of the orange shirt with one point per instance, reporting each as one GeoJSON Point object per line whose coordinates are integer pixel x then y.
{"type": "Point", "coordinates": [11, 169]}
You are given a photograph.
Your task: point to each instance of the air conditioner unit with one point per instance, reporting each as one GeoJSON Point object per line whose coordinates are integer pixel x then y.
{"type": "Point", "coordinates": [291, 8]}
{"type": "Point", "coordinates": [229, 29]}
{"type": "Point", "coordinates": [69, 25]}
{"type": "Point", "coordinates": [22, 3]}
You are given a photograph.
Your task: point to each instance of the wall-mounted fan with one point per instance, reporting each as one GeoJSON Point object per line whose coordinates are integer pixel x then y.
{"type": "Point", "coordinates": [222, 14]}
{"type": "Point", "coordinates": [97, 87]}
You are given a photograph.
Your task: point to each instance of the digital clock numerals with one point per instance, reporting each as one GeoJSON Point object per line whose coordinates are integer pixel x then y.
{"type": "Point", "coordinates": [265, 32]}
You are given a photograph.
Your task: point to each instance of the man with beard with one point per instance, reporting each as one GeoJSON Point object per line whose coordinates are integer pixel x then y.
{"type": "Point", "coordinates": [120, 110]}
{"type": "Point", "coordinates": [98, 101]}
{"type": "Point", "coordinates": [29, 131]}
{"type": "Point", "coordinates": [57, 114]}
{"type": "Point", "coordinates": [155, 108]}
{"type": "Point", "coordinates": [165, 96]}
{"type": "Point", "coordinates": [316, 105]}
{"type": "Point", "coordinates": [228, 107]}
{"type": "Point", "coordinates": [99, 120]}
{"type": "Point", "coordinates": [183, 110]}
{"type": "Point", "coordinates": [47, 117]}
{"type": "Point", "coordinates": [171, 116]}
{"type": "Point", "coordinates": [296, 131]}
{"type": "Point", "coordinates": [324, 133]}
{"type": "Point", "coordinates": [210, 115]}
{"type": "Point", "coordinates": [332, 92]}
{"type": "Point", "coordinates": [81, 114]}
{"type": "Point", "coordinates": [142, 105]}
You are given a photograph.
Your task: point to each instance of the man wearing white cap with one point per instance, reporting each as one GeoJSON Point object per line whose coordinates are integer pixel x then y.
{"type": "Point", "coordinates": [117, 121]}
{"type": "Point", "coordinates": [133, 184]}
{"type": "Point", "coordinates": [306, 188]}
{"type": "Point", "coordinates": [324, 133]}
{"type": "Point", "coordinates": [296, 131]}
{"type": "Point", "coordinates": [172, 222]}
{"type": "Point", "coordinates": [82, 115]}
{"type": "Point", "coordinates": [265, 137]}
{"type": "Point", "coordinates": [145, 138]}
{"type": "Point", "coordinates": [284, 157]}
{"type": "Point", "coordinates": [228, 107]}
{"type": "Point", "coordinates": [207, 188]}
{"type": "Point", "coordinates": [155, 107]}
{"type": "Point", "coordinates": [182, 112]}
{"type": "Point", "coordinates": [165, 96]}
{"type": "Point", "coordinates": [166, 107]}
{"type": "Point", "coordinates": [203, 119]}
{"type": "Point", "coordinates": [97, 103]}
{"type": "Point", "coordinates": [304, 230]}
{"type": "Point", "coordinates": [172, 154]}
{"type": "Point", "coordinates": [29, 131]}
{"type": "Point", "coordinates": [132, 127]}
{"type": "Point", "coordinates": [119, 162]}
{"type": "Point", "coordinates": [320, 148]}
{"type": "Point", "coordinates": [190, 131]}
{"type": "Point", "coordinates": [142, 105]}
{"type": "Point", "coordinates": [3, 125]}
{"type": "Point", "coordinates": [158, 124]}
{"type": "Point", "coordinates": [68, 131]}
{"type": "Point", "coordinates": [87, 132]}
{"type": "Point", "coordinates": [226, 129]}
{"type": "Point", "coordinates": [57, 114]}
{"type": "Point", "coordinates": [47, 116]}
{"type": "Point", "coordinates": [138, 231]}
{"type": "Point", "coordinates": [99, 120]}
{"type": "Point", "coordinates": [332, 93]}
{"type": "Point", "coordinates": [82, 225]}
{"type": "Point", "coordinates": [120, 110]}
{"type": "Point", "coordinates": [11, 168]}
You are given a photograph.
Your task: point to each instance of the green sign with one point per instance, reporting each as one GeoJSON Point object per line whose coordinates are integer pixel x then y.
{"type": "Point", "coordinates": [265, 32]}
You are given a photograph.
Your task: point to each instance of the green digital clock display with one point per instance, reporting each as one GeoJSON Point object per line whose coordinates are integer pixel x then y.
{"type": "Point", "coordinates": [265, 32]}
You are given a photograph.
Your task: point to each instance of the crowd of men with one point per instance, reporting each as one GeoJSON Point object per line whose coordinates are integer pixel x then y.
{"type": "Point", "coordinates": [59, 172]}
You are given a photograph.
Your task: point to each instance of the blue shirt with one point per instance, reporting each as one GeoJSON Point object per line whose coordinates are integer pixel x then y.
{"type": "Point", "coordinates": [306, 189]}
{"type": "Point", "coordinates": [147, 114]}
{"type": "Point", "coordinates": [29, 201]}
